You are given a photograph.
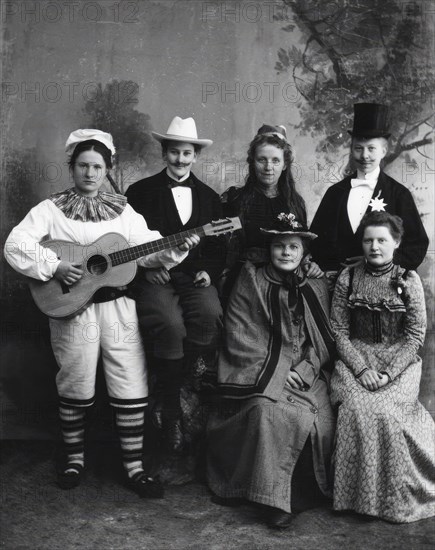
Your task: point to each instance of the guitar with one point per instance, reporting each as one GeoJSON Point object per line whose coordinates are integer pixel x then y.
{"type": "Point", "coordinates": [107, 262]}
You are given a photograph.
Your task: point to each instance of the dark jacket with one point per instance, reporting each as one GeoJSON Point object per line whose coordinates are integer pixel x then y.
{"type": "Point", "coordinates": [336, 240]}
{"type": "Point", "coordinates": [153, 199]}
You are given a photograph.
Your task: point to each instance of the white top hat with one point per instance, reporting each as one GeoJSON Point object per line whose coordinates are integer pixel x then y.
{"type": "Point", "coordinates": [87, 134]}
{"type": "Point", "coordinates": [183, 130]}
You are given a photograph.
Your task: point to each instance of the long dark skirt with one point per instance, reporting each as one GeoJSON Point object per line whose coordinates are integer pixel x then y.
{"type": "Point", "coordinates": [254, 444]}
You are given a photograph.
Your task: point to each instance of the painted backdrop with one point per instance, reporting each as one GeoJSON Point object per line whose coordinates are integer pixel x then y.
{"type": "Point", "coordinates": [130, 66]}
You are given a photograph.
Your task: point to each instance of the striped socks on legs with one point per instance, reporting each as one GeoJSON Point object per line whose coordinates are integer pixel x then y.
{"type": "Point", "coordinates": [130, 424]}
{"type": "Point", "coordinates": [72, 421]}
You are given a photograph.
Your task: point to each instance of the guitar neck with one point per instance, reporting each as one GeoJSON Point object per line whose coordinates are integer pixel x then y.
{"type": "Point", "coordinates": [135, 252]}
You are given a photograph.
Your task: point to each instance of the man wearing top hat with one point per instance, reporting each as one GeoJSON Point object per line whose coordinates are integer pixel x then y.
{"type": "Point", "coordinates": [369, 189]}
{"type": "Point", "coordinates": [179, 310]}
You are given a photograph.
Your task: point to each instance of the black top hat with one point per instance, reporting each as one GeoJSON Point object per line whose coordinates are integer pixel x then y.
{"type": "Point", "coordinates": [370, 120]}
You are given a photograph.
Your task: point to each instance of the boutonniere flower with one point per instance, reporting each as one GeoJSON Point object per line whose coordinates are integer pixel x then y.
{"type": "Point", "coordinates": [377, 204]}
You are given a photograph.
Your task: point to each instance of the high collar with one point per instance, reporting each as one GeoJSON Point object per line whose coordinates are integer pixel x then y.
{"type": "Point", "coordinates": [278, 277]}
{"type": "Point", "coordinates": [187, 176]}
{"type": "Point", "coordinates": [371, 176]}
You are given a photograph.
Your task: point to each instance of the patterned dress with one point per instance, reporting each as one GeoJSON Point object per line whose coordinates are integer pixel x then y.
{"type": "Point", "coordinates": [385, 443]}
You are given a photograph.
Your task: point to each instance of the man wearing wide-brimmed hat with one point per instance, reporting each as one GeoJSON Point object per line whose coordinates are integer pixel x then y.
{"type": "Point", "coordinates": [179, 309]}
{"type": "Point", "coordinates": [369, 189]}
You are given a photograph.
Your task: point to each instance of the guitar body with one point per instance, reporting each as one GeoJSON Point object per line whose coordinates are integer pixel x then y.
{"type": "Point", "coordinates": [61, 301]}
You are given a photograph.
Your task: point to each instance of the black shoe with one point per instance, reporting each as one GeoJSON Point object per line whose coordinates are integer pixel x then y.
{"type": "Point", "coordinates": [146, 486]}
{"type": "Point", "coordinates": [230, 502]}
{"type": "Point", "coordinates": [278, 519]}
{"type": "Point", "coordinates": [173, 435]}
{"type": "Point", "coordinates": [70, 476]}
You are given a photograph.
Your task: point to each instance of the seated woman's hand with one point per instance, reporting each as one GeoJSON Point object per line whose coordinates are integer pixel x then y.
{"type": "Point", "coordinates": [295, 381]}
{"type": "Point", "coordinates": [202, 279]}
{"type": "Point", "coordinates": [189, 243]}
{"type": "Point", "coordinates": [371, 379]}
{"type": "Point", "coordinates": [312, 270]}
{"type": "Point", "coordinates": [383, 381]}
{"type": "Point", "coordinates": [68, 273]}
{"type": "Point", "coordinates": [157, 276]}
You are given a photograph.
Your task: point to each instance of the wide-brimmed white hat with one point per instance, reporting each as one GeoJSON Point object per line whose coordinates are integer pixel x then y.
{"type": "Point", "coordinates": [87, 134]}
{"type": "Point", "coordinates": [183, 130]}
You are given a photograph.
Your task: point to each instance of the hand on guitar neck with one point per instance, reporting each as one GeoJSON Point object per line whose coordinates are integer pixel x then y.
{"type": "Point", "coordinates": [69, 273]}
{"type": "Point", "coordinates": [189, 243]}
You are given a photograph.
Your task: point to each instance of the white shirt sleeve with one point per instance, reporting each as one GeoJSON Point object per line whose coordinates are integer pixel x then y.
{"type": "Point", "coordinates": [140, 234]}
{"type": "Point", "coordinates": [22, 249]}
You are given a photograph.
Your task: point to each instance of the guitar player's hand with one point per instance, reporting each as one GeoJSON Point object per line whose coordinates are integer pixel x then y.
{"type": "Point", "coordinates": [68, 273]}
{"type": "Point", "coordinates": [157, 276]}
{"type": "Point", "coordinates": [189, 243]}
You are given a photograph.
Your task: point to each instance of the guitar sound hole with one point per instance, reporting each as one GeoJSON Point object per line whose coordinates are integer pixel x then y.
{"type": "Point", "coordinates": [97, 265]}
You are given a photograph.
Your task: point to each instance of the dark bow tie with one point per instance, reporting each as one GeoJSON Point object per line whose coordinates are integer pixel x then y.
{"type": "Point", "coordinates": [186, 183]}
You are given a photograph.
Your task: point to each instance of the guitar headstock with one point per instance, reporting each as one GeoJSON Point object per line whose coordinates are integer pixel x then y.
{"type": "Point", "coordinates": [220, 227]}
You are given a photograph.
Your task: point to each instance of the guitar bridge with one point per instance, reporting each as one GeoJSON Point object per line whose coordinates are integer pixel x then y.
{"type": "Point", "coordinates": [65, 288]}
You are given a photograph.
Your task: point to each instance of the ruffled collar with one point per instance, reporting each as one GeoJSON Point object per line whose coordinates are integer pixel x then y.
{"type": "Point", "coordinates": [104, 207]}
{"type": "Point", "coordinates": [379, 290]}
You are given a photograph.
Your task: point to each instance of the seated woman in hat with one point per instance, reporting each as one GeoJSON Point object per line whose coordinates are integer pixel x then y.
{"type": "Point", "coordinates": [83, 214]}
{"type": "Point", "coordinates": [274, 415]}
{"type": "Point", "coordinates": [384, 459]}
{"type": "Point", "coordinates": [269, 190]}
{"type": "Point", "coordinates": [368, 189]}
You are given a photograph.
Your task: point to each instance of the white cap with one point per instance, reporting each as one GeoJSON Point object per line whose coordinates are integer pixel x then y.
{"type": "Point", "coordinates": [87, 134]}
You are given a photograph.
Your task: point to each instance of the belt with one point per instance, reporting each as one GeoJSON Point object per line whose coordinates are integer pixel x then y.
{"type": "Point", "coordinates": [107, 294]}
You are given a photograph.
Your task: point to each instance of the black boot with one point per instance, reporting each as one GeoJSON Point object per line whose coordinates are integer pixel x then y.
{"type": "Point", "coordinates": [169, 377]}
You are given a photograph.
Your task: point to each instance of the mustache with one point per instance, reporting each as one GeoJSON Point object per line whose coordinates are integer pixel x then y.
{"type": "Point", "coordinates": [180, 164]}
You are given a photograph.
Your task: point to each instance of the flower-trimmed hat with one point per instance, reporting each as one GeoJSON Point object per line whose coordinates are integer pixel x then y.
{"type": "Point", "coordinates": [287, 224]}
{"type": "Point", "coordinates": [183, 130]}
{"type": "Point", "coordinates": [87, 134]}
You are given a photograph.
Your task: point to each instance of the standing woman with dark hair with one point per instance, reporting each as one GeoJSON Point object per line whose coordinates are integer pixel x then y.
{"type": "Point", "coordinates": [384, 457]}
{"type": "Point", "coordinates": [83, 214]}
{"type": "Point", "coordinates": [269, 190]}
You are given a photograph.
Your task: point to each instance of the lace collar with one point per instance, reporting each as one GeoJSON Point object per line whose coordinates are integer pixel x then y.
{"type": "Point", "coordinates": [105, 206]}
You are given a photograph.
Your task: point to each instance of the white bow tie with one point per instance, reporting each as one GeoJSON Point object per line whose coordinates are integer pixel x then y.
{"type": "Point", "coordinates": [369, 183]}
